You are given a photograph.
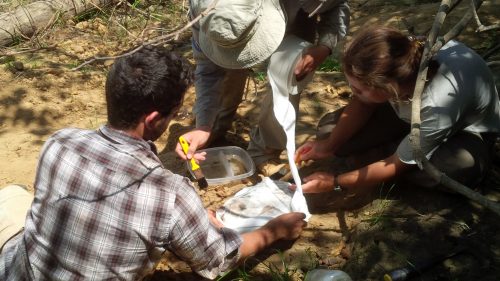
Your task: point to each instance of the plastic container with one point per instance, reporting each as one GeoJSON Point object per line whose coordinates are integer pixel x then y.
{"type": "Point", "coordinates": [320, 274]}
{"type": "Point", "coordinates": [225, 164]}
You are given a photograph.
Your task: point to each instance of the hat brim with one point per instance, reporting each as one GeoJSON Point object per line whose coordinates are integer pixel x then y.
{"type": "Point", "coordinates": [259, 47]}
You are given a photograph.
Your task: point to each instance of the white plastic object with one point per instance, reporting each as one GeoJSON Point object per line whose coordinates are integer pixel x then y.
{"type": "Point", "coordinates": [253, 206]}
{"type": "Point", "coordinates": [321, 274]}
{"type": "Point", "coordinates": [225, 164]}
{"type": "Point", "coordinates": [283, 83]}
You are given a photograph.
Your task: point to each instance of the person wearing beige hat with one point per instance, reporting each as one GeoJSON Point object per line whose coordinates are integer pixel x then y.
{"type": "Point", "coordinates": [239, 34]}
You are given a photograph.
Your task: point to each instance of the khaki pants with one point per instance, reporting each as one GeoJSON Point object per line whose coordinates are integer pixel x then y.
{"type": "Point", "coordinates": [15, 202]}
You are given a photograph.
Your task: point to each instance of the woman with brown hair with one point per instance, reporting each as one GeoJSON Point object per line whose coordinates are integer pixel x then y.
{"type": "Point", "coordinates": [460, 114]}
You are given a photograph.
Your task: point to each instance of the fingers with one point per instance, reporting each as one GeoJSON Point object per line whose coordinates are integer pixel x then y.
{"type": "Point", "coordinates": [303, 67]}
{"type": "Point", "coordinates": [193, 146]}
{"type": "Point", "coordinates": [196, 139]}
{"type": "Point", "coordinates": [303, 152]}
{"type": "Point", "coordinates": [299, 215]}
{"type": "Point", "coordinates": [317, 183]}
{"type": "Point", "coordinates": [309, 187]}
{"type": "Point", "coordinates": [180, 152]}
{"type": "Point", "coordinates": [213, 219]}
{"type": "Point", "coordinates": [200, 156]}
{"type": "Point", "coordinates": [295, 226]}
{"type": "Point", "coordinates": [299, 68]}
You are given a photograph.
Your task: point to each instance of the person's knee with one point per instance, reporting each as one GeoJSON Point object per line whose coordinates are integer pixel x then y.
{"type": "Point", "coordinates": [464, 158]}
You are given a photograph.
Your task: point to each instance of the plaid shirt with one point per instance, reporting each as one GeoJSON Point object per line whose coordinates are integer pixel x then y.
{"type": "Point", "coordinates": [106, 208]}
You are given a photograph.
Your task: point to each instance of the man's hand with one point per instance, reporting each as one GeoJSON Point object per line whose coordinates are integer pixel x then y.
{"type": "Point", "coordinates": [213, 219]}
{"type": "Point", "coordinates": [197, 139]}
{"type": "Point", "coordinates": [287, 226]}
{"type": "Point", "coordinates": [318, 149]}
{"type": "Point", "coordinates": [311, 59]}
{"type": "Point", "coordinates": [317, 183]}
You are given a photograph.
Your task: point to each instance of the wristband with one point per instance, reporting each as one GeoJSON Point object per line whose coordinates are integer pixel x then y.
{"type": "Point", "coordinates": [336, 186]}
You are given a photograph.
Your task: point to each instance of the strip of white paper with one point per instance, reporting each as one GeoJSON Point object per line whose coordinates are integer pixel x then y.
{"type": "Point", "coordinates": [283, 83]}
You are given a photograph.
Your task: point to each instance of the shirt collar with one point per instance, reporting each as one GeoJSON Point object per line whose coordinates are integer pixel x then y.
{"type": "Point", "coordinates": [120, 137]}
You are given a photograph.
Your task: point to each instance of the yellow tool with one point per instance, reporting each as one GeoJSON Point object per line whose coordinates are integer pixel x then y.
{"type": "Point", "coordinates": [200, 178]}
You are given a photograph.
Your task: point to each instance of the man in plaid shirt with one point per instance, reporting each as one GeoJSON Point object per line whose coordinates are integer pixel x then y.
{"type": "Point", "coordinates": [106, 208]}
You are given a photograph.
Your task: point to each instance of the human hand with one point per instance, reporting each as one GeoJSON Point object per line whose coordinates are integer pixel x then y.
{"type": "Point", "coordinates": [311, 59]}
{"type": "Point", "coordinates": [213, 219]}
{"type": "Point", "coordinates": [316, 183]}
{"type": "Point", "coordinates": [196, 139]}
{"type": "Point", "coordinates": [317, 149]}
{"type": "Point", "coordinates": [287, 226]}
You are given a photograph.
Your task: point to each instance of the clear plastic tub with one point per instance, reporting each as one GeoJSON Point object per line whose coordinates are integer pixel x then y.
{"type": "Point", "coordinates": [225, 164]}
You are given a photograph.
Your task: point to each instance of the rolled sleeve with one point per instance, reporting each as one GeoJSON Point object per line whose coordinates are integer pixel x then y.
{"type": "Point", "coordinates": [209, 79]}
{"type": "Point", "coordinates": [334, 23]}
{"type": "Point", "coordinates": [208, 251]}
{"type": "Point", "coordinates": [436, 127]}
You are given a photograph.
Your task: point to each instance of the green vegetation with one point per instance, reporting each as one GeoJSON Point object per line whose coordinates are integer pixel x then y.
{"type": "Point", "coordinates": [285, 270]}
{"type": "Point", "coordinates": [330, 65]}
{"type": "Point", "coordinates": [260, 76]}
{"type": "Point", "coordinates": [380, 215]}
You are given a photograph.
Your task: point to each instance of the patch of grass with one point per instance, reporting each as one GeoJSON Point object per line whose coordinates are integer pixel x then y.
{"type": "Point", "coordinates": [75, 63]}
{"type": "Point", "coordinates": [7, 59]}
{"type": "Point", "coordinates": [136, 3]}
{"type": "Point", "coordinates": [284, 272]}
{"type": "Point", "coordinates": [380, 215]}
{"type": "Point", "coordinates": [16, 39]}
{"type": "Point", "coordinates": [87, 15]}
{"type": "Point", "coordinates": [310, 261]}
{"type": "Point", "coordinates": [330, 65]}
{"type": "Point", "coordinates": [260, 76]}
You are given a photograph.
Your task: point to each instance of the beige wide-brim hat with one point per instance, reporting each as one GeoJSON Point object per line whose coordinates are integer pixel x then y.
{"type": "Point", "coordinates": [242, 33]}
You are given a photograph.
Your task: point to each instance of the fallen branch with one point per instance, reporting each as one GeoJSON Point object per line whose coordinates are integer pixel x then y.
{"type": "Point", "coordinates": [33, 18]}
{"type": "Point", "coordinates": [432, 45]}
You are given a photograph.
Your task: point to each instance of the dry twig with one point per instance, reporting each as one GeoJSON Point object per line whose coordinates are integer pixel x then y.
{"type": "Point", "coordinates": [155, 41]}
{"type": "Point", "coordinates": [480, 26]}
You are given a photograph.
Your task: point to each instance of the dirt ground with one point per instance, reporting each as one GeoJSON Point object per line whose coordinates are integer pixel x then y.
{"type": "Point", "coordinates": [396, 226]}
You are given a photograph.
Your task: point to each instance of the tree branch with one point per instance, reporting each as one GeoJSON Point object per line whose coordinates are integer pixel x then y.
{"type": "Point", "coordinates": [155, 41]}
{"type": "Point", "coordinates": [480, 26]}
{"type": "Point", "coordinates": [432, 45]}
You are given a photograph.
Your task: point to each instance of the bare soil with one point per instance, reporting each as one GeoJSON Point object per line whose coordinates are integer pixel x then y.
{"type": "Point", "coordinates": [395, 226]}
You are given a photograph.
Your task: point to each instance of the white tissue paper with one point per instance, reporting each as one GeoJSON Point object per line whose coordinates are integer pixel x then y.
{"type": "Point", "coordinates": [283, 83]}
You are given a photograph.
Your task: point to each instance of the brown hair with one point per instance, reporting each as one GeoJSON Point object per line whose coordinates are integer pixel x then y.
{"type": "Point", "coordinates": [151, 79]}
{"type": "Point", "coordinates": [378, 55]}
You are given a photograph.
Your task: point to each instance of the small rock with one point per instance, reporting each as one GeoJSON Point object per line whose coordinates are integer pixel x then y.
{"type": "Point", "coordinates": [108, 62]}
{"type": "Point", "coordinates": [102, 29]}
{"type": "Point", "coordinates": [82, 25]}
{"type": "Point", "coordinates": [346, 253]}
{"type": "Point", "coordinates": [78, 49]}
{"type": "Point", "coordinates": [19, 66]}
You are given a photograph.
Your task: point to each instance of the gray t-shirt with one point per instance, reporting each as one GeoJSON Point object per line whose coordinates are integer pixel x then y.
{"type": "Point", "coordinates": [461, 96]}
